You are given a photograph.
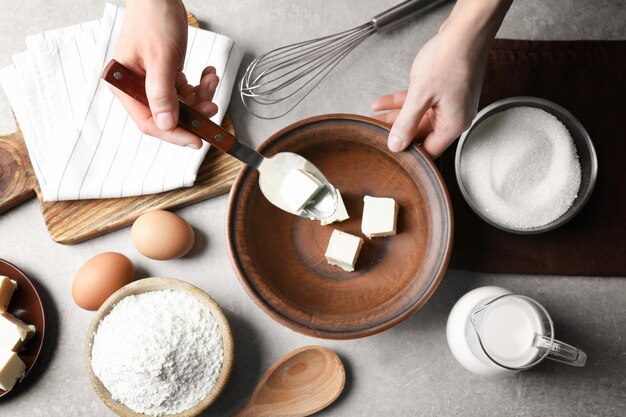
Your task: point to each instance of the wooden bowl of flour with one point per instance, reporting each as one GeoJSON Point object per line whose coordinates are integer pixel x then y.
{"type": "Point", "coordinates": [160, 284]}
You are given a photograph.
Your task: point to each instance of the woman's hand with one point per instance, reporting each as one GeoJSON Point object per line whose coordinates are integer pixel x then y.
{"type": "Point", "coordinates": [441, 100]}
{"type": "Point", "coordinates": [153, 42]}
{"type": "Point", "coordinates": [445, 80]}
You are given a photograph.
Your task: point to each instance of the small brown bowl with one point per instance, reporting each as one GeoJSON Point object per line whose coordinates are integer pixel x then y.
{"type": "Point", "coordinates": [279, 258]}
{"type": "Point", "coordinates": [26, 306]}
{"type": "Point", "coordinates": [159, 284]}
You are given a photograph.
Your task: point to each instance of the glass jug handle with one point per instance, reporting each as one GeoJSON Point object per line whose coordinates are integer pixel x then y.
{"type": "Point", "coordinates": [559, 351]}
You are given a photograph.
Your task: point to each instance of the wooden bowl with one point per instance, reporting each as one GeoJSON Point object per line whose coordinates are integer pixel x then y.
{"type": "Point", "coordinates": [279, 258]}
{"type": "Point", "coordinates": [26, 306]}
{"type": "Point", "coordinates": [159, 284]}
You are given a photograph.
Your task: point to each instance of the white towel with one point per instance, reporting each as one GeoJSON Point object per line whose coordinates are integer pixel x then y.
{"type": "Point", "coordinates": [80, 140]}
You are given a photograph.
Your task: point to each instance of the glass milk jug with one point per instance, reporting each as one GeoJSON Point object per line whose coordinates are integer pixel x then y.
{"type": "Point", "coordinates": [492, 332]}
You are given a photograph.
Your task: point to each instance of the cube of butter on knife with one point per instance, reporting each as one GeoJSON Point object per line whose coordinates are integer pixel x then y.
{"type": "Point", "coordinates": [299, 188]}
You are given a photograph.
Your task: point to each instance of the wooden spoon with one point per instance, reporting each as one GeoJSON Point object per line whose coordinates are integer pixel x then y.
{"type": "Point", "coordinates": [299, 384]}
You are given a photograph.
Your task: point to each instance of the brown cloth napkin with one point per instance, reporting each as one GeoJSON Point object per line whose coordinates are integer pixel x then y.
{"type": "Point", "coordinates": [589, 79]}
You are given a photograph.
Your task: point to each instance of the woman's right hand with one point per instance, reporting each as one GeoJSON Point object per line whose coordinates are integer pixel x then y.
{"type": "Point", "coordinates": [153, 42]}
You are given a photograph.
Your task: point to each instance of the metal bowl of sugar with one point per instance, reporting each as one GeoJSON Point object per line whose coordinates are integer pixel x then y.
{"type": "Point", "coordinates": [491, 164]}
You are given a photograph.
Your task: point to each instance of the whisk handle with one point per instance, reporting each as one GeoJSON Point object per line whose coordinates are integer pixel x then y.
{"type": "Point", "coordinates": [133, 84]}
{"type": "Point", "coordinates": [390, 19]}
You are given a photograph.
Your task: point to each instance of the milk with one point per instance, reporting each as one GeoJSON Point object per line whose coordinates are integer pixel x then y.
{"type": "Point", "coordinates": [507, 331]}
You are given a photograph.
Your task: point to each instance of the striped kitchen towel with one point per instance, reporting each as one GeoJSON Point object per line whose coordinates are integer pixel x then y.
{"type": "Point", "coordinates": [80, 140]}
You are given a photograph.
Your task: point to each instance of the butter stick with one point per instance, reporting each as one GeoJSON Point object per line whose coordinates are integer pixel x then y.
{"type": "Point", "coordinates": [7, 288]}
{"type": "Point", "coordinates": [14, 333]}
{"type": "Point", "coordinates": [11, 369]}
{"type": "Point", "coordinates": [343, 250]}
{"type": "Point", "coordinates": [379, 216]}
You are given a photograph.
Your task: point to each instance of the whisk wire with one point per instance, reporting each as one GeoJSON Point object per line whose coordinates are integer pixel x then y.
{"type": "Point", "coordinates": [323, 73]}
{"type": "Point", "coordinates": [303, 70]}
{"type": "Point", "coordinates": [295, 57]}
{"type": "Point", "coordinates": [294, 47]}
{"type": "Point", "coordinates": [319, 57]}
{"type": "Point", "coordinates": [314, 46]}
{"type": "Point", "coordinates": [329, 61]}
{"type": "Point", "coordinates": [289, 73]}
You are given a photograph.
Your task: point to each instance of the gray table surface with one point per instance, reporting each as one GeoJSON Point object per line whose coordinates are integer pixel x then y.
{"type": "Point", "coordinates": [405, 371]}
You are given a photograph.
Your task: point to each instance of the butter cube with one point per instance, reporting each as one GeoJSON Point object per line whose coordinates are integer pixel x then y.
{"type": "Point", "coordinates": [298, 189]}
{"type": "Point", "coordinates": [343, 250]}
{"type": "Point", "coordinates": [11, 369]}
{"type": "Point", "coordinates": [379, 216]}
{"type": "Point", "coordinates": [14, 333]}
{"type": "Point", "coordinates": [7, 287]}
{"type": "Point", "coordinates": [340, 214]}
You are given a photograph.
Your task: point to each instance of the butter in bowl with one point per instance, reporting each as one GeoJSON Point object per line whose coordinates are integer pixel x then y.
{"type": "Point", "coordinates": [22, 326]}
{"type": "Point", "coordinates": [14, 334]}
{"type": "Point", "coordinates": [159, 347]}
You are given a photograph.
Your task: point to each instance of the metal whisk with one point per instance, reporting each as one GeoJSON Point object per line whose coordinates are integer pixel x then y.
{"type": "Point", "coordinates": [279, 80]}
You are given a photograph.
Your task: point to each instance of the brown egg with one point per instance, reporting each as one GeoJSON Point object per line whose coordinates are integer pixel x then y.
{"type": "Point", "coordinates": [100, 277]}
{"type": "Point", "coordinates": [162, 235]}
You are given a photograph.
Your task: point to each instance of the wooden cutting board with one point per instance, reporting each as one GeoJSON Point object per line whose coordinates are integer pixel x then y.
{"type": "Point", "coordinates": [72, 222]}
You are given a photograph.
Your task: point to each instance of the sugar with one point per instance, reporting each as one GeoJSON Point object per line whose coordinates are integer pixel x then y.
{"type": "Point", "coordinates": [520, 168]}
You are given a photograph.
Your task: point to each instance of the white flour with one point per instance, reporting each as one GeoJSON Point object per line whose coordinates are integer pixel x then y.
{"type": "Point", "coordinates": [159, 352]}
{"type": "Point", "coordinates": [520, 167]}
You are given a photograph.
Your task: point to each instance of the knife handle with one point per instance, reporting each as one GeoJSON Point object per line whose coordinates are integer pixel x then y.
{"type": "Point", "coordinates": [133, 84]}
